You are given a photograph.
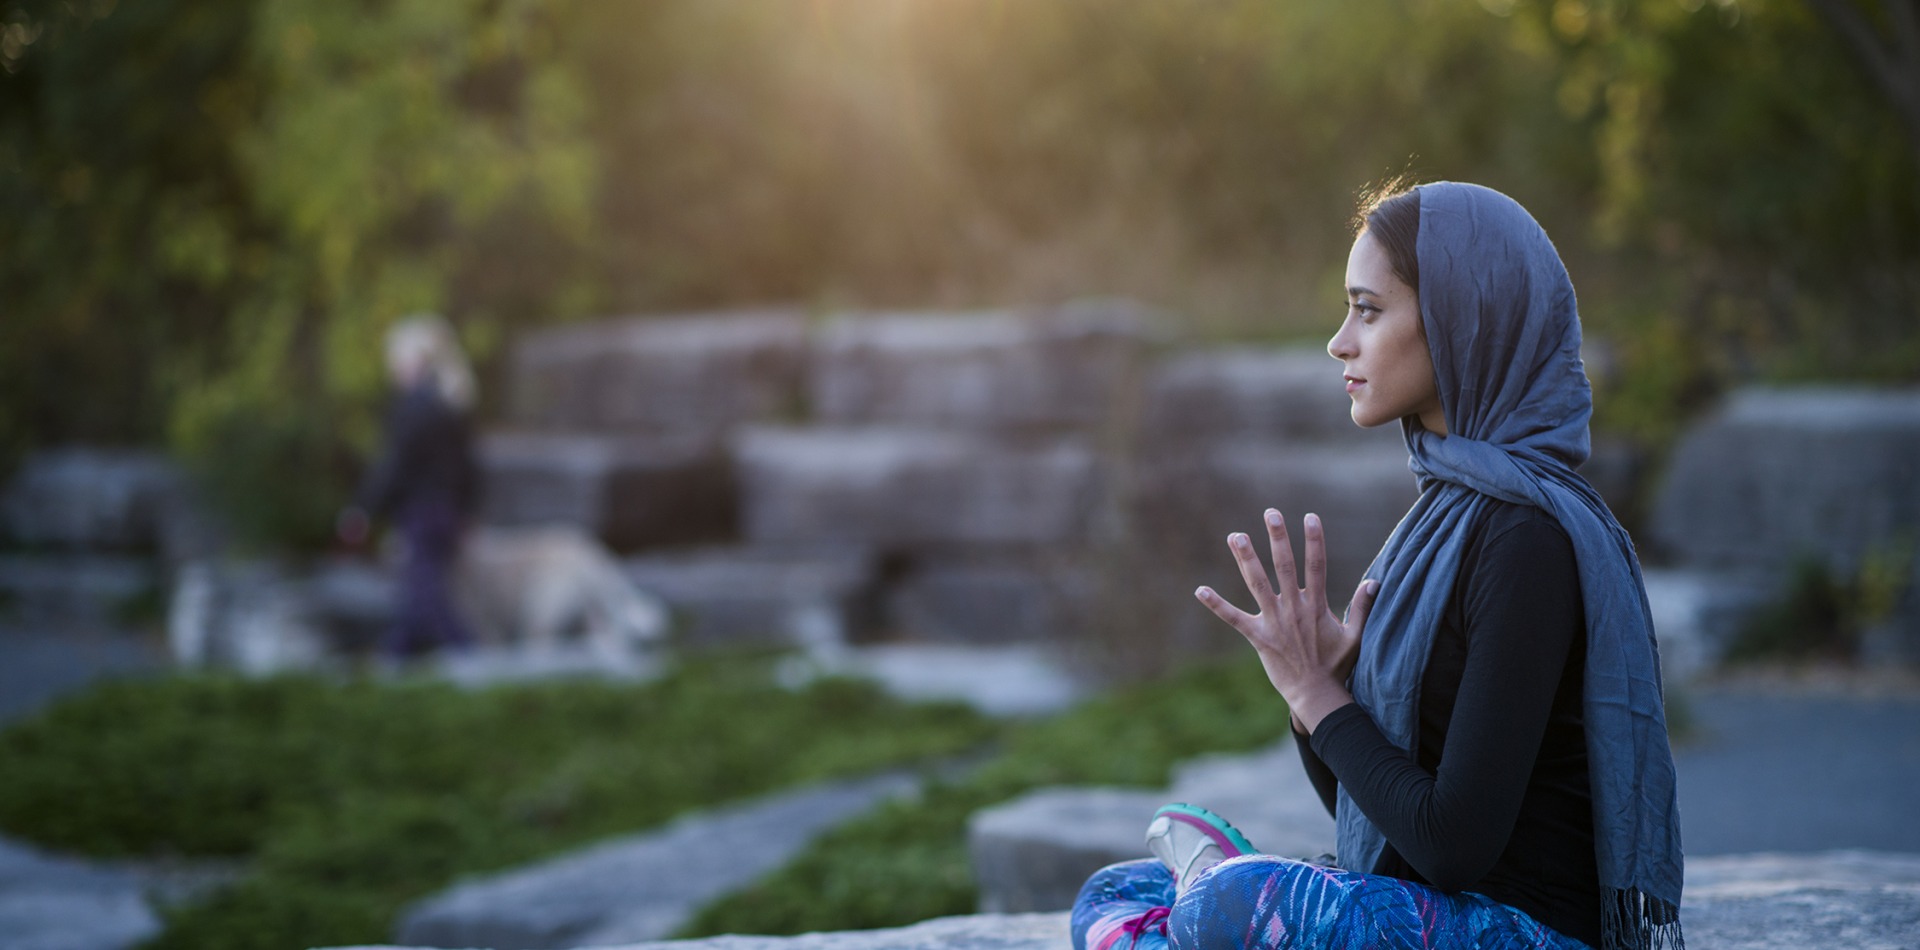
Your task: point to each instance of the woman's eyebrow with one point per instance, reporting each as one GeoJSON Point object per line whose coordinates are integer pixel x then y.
{"type": "Point", "coordinates": [1357, 291]}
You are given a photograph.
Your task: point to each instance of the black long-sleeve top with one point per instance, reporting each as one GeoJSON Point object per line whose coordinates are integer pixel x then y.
{"type": "Point", "coordinates": [1495, 798]}
{"type": "Point", "coordinates": [427, 458]}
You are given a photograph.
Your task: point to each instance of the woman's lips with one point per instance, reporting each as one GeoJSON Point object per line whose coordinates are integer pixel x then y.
{"type": "Point", "coordinates": [1354, 384]}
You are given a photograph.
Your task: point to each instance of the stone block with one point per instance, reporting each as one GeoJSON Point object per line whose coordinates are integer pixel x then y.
{"type": "Point", "coordinates": [982, 600]}
{"type": "Point", "coordinates": [764, 596]}
{"type": "Point", "coordinates": [1277, 396]}
{"type": "Point", "coordinates": [44, 587]}
{"type": "Point", "coordinates": [352, 601]}
{"type": "Point", "coordinates": [699, 374]}
{"type": "Point", "coordinates": [970, 932]}
{"type": "Point", "coordinates": [1001, 369]}
{"type": "Point", "coordinates": [253, 617]}
{"type": "Point", "coordinates": [1848, 899]}
{"type": "Point", "coordinates": [1697, 614]}
{"type": "Point", "coordinates": [1034, 852]}
{"type": "Point", "coordinates": [90, 499]}
{"type": "Point", "coordinates": [628, 491]}
{"type": "Point", "coordinates": [1777, 475]}
{"type": "Point", "coordinates": [54, 902]}
{"type": "Point", "coordinates": [1359, 491]}
{"type": "Point", "coordinates": [1857, 899]}
{"type": "Point", "coordinates": [897, 488]}
{"type": "Point", "coordinates": [1019, 679]}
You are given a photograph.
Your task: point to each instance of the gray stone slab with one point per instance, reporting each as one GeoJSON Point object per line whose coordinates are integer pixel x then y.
{"type": "Point", "coordinates": [1266, 395]}
{"type": "Point", "coordinates": [1848, 899]}
{"type": "Point", "coordinates": [984, 600]}
{"type": "Point", "coordinates": [1359, 491]}
{"type": "Point", "coordinates": [39, 587]}
{"type": "Point", "coordinates": [1034, 852]}
{"type": "Point", "coordinates": [255, 617]}
{"type": "Point", "coordinates": [629, 491]}
{"type": "Point", "coordinates": [899, 488]}
{"type": "Point", "coordinates": [54, 903]}
{"type": "Point", "coordinates": [92, 499]}
{"type": "Point", "coordinates": [980, 932]}
{"type": "Point", "coordinates": [698, 374]}
{"type": "Point", "coordinates": [809, 597]}
{"type": "Point", "coordinates": [640, 887]}
{"type": "Point", "coordinates": [1855, 899]}
{"type": "Point", "coordinates": [1696, 615]}
{"type": "Point", "coordinates": [999, 680]}
{"type": "Point", "coordinates": [1001, 369]}
{"type": "Point", "coordinates": [1780, 474]}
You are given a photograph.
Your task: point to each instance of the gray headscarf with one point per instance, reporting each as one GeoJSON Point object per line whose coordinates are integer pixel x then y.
{"type": "Point", "coordinates": [1504, 333]}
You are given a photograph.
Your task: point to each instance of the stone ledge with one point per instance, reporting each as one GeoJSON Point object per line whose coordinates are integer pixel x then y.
{"type": "Point", "coordinates": [975, 932]}
{"type": "Point", "coordinates": [1857, 899]}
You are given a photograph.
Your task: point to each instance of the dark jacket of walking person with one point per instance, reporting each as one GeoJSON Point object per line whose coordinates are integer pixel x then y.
{"type": "Point", "coordinates": [425, 481]}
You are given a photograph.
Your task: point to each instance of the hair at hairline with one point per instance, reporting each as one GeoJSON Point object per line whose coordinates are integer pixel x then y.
{"type": "Point", "coordinates": [1390, 211]}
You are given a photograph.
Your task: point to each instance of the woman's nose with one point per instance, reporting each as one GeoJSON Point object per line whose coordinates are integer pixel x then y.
{"type": "Point", "coordinates": [1341, 346]}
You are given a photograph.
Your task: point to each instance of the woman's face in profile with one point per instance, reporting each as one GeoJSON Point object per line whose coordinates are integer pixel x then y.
{"type": "Point", "coordinates": [1389, 370]}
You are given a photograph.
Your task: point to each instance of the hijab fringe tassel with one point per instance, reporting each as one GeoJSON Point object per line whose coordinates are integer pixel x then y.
{"type": "Point", "coordinates": [1631, 920]}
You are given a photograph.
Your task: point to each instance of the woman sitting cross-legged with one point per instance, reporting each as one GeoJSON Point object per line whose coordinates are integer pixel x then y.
{"type": "Point", "coordinates": [1486, 723]}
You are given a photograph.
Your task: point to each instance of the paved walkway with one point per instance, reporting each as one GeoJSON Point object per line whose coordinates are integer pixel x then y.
{"type": "Point", "coordinates": [1772, 768]}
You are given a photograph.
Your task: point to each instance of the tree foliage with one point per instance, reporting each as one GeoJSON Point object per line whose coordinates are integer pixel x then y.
{"type": "Point", "coordinates": [209, 211]}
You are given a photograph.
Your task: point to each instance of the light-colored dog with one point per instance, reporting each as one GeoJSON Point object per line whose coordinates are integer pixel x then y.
{"type": "Point", "coordinates": [541, 587]}
{"type": "Point", "coordinates": [538, 591]}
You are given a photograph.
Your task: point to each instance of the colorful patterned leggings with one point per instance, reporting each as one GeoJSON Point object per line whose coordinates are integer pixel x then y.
{"type": "Point", "coordinates": [1263, 902]}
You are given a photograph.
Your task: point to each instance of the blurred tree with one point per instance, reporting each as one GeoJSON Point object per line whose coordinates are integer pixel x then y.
{"type": "Point", "coordinates": [210, 210]}
{"type": "Point", "coordinates": [1893, 59]}
{"type": "Point", "coordinates": [214, 208]}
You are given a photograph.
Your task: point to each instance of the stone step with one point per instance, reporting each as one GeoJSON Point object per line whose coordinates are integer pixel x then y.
{"type": "Point", "coordinates": [1034, 852]}
{"type": "Point", "coordinates": [628, 491]}
{"type": "Point", "coordinates": [697, 374]}
{"type": "Point", "coordinates": [1255, 394]}
{"type": "Point", "coordinates": [1015, 679]}
{"type": "Point", "coordinates": [904, 488]}
{"type": "Point", "coordinates": [811, 597]}
{"type": "Point", "coordinates": [1855, 899]}
{"type": "Point", "coordinates": [1779, 476]}
{"type": "Point", "coordinates": [91, 499]}
{"type": "Point", "coordinates": [1003, 370]}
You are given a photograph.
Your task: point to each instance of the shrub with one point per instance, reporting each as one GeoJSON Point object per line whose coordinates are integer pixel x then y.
{"type": "Point", "coordinates": [908, 862]}
{"type": "Point", "coordinates": [351, 799]}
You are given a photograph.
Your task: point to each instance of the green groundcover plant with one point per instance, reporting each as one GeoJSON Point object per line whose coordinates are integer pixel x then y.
{"type": "Point", "coordinates": [346, 800]}
{"type": "Point", "coordinates": [908, 861]}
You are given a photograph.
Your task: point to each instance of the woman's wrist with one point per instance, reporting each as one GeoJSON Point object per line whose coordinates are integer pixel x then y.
{"type": "Point", "coordinates": [1315, 703]}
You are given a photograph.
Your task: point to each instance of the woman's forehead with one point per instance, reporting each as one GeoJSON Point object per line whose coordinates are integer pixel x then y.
{"type": "Point", "coordinates": [1369, 270]}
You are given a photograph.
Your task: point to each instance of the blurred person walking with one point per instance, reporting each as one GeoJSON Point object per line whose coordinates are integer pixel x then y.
{"type": "Point", "coordinates": [424, 481]}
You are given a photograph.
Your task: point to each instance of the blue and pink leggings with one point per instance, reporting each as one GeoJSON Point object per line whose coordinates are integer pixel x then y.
{"type": "Point", "coordinates": [1263, 902]}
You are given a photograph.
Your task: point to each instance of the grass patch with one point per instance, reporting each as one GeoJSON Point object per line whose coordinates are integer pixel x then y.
{"type": "Point", "coordinates": [908, 862]}
{"type": "Point", "coordinates": [351, 799]}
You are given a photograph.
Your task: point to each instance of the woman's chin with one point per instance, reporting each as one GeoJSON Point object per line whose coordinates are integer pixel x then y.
{"type": "Point", "coordinates": [1365, 419]}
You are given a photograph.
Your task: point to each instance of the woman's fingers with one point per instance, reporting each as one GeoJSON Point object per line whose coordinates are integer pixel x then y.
{"type": "Point", "coordinates": [1316, 565]}
{"type": "Point", "coordinates": [1361, 604]}
{"type": "Point", "coordinates": [1252, 571]}
{"type": "Point", "coordinates": [1282, 549]}
{"type": "Point", "coordinates": [1235, 617]}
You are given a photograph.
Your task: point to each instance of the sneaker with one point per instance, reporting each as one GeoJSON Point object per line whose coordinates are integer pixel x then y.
{"type": "Point", "coordinates": [1189, 839]}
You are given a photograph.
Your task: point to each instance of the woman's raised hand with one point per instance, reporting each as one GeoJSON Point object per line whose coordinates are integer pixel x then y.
{"type": "Point", "coordinates": [1306, 650]}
